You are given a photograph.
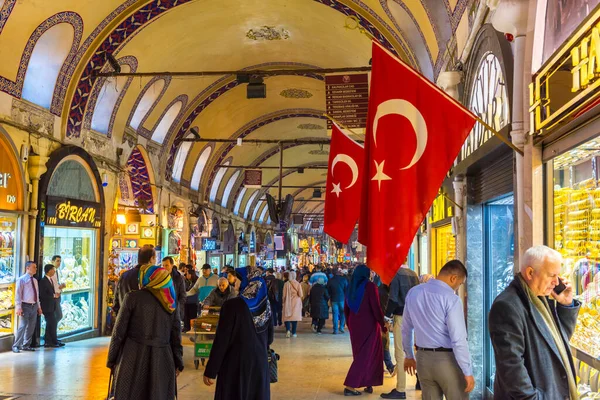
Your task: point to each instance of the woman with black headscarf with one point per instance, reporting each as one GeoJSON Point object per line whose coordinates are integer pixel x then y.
{"type": "Point", "coordinates": [239, 354]}
{"type": "Point", "coordinates": [365, 323]}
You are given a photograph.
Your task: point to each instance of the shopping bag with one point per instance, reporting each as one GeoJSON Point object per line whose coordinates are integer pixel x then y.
{"type": "Point", "coordinates": [272, 358]}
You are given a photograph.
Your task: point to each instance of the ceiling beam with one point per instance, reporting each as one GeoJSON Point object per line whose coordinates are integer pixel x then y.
{"type": "Point", "coordinates": [254, 72]}
{"type": "Point", "coordinates": [269, 167]}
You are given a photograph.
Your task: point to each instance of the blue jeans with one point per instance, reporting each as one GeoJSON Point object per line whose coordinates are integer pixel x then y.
{"type": "Point", "coordinates": [291, 326]}
{"type": "Point", "coordinates": [337, 308]}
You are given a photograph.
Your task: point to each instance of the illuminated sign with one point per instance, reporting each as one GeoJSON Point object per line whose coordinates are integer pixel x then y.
{"type": "Point", "coordinates": [67, 212]}
{"type": "Point", "coordinates": [11, 185]}
{"type": "Point", "coordinates": [209, 244]}
{"type": "Point", "coordinates": [567, 85]}
{"type": "Point", "coordinates": [440, 209]}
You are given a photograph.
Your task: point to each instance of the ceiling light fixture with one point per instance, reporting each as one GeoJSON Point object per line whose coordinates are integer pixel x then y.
{"type": "Point", "coordinates": [194, 131]}
{"type": "Point", "coordinates": [113, 63]}
{"type": "Point", "coordinates": [256, 88]}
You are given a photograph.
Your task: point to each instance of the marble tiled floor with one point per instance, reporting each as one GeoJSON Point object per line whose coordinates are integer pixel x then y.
{"type": "Point", "coordinates": [311, 367]}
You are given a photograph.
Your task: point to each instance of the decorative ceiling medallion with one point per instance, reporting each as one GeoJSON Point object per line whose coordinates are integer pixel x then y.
{"type": "Point", "coordinates": [268, 33]}
{"type": "Point", "coordinates": [296, 94]}
{"type": "Point", "coordinates": [318, 152]}
{"type": "Point", "coordinates": [311, 126]}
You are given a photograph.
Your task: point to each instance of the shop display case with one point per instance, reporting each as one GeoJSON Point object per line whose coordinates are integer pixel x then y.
{"type": "Point", "coordinates": [77, 248]}
{"type": "Point", "coordinates": [8, 226]}
{"type": "Point", "coordinates": [576, 227]}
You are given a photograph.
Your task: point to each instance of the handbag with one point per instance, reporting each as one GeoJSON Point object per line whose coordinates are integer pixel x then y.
{"type": "Point", "coordinates": [272, 357]}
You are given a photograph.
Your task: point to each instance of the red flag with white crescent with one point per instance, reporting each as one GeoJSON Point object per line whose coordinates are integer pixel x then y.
{"type": "Point", "coordinates": [344, 185]}
{"type": "Point", "coordinates": [414, 133]}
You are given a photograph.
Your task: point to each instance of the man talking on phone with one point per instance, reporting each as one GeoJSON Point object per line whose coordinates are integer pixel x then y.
{"type": "Point", "coordinates": [530, 325]}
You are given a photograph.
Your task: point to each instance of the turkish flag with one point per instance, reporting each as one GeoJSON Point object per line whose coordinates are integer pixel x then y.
{"type": "Point", "coordinates": [414, 133]}
{"type": "Point", "coordinates": [344, 185]}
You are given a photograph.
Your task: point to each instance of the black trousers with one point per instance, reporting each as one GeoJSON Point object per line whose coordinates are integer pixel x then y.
{"type": "Point", "coordinates": [277, 310]}
{"type": "Point", "coordinates": [319, 323]}
{"type": "Point", "coordinates": [51, 328]}
{"type": "Point", "coordinates": [190, 312]}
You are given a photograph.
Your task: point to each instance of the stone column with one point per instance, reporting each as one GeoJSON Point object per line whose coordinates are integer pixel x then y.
{"type": "Point", "coordinates": [511, 16]}
{"type": "Point", "coordinates": [460, 197]}
{"type": "Point", "coordinates": [36, 166]}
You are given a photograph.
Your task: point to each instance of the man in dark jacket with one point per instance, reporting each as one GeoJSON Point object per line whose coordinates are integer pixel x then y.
{"type": "Point", "coordinates": [530, 327]}
{"type": "Point", "coordinates": [404, 280]}
{"type": "Point", "coordinates": [129, 280]}
{"type": "Point", "coordinates": [178, 284]}
{"type": "Point", "coordinates": [337, 287]}
{"type": "Point", "coordinates": [275, 292]}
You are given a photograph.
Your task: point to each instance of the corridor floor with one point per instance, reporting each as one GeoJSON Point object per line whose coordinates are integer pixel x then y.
{"type": "Point", "coordinates": [311, 367]}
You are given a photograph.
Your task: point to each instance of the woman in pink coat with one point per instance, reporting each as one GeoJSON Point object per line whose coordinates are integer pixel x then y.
{"type": "Point", "coordinates": [292, 303]}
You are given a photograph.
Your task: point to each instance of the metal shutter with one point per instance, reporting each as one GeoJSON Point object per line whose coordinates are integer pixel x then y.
{"type": "Point", "coordinates": [493, 180]}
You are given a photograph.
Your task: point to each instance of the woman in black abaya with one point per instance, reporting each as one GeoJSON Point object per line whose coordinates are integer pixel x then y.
{"type": "Point", "coordinates": [238, 359]}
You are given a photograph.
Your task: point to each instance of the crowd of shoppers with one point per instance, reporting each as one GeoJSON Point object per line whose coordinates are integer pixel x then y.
{"type": "Point", "coordinates": [530, 326]}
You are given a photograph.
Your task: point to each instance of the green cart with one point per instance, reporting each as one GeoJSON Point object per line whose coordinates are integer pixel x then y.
{"type": "Point", "coordinates": [205, 328]}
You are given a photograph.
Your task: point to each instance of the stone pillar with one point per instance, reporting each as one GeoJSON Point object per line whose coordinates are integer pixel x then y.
{"type": "Point", "coordinates": [510, 16]}
{"type": "Point", "coordinates": [36, 166]}
{"type": "Point", "coordinates": [460, 197]}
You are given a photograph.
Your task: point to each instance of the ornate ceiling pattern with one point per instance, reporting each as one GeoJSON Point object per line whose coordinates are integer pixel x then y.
{"type": "Point", "coordinates": [228, 35]}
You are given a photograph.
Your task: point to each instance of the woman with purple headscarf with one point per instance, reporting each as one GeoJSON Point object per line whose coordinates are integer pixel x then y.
{"type": "Point", "coordinates": [365, 323]}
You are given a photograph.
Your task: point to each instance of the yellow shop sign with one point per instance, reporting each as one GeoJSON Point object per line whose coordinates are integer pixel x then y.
{"type": "Point", "coordinates": [68, 212]}
{"type": "Point", "coordinates": [568, 83]}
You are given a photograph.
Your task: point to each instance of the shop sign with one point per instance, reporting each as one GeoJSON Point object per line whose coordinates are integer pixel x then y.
{"type": "Point", "coordinates": [209, 244]}
{"type": "Point", "coordinates": [67, 212]}
{"type": "Point", "coordinates": [347, 99]}
{"type": "Point", "coordinates": [11, 196]}
{"type": "Point", "coordinates": [440, 210]}
{"type": "Point", "coordinates": [253, 178]}
{"type": "Point", "coordinates": [568, 83]}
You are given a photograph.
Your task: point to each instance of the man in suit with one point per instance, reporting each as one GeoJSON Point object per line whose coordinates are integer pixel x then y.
{"type": "Point", "coordinates": [48, 298]}
{"type": "Point", "coordinates": [530, 327]}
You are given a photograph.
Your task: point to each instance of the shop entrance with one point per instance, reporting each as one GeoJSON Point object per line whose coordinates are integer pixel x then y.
{"type": "Point", "coordinates": [499, 266]}
{"type": "Point", "coordinates": [77, 248]}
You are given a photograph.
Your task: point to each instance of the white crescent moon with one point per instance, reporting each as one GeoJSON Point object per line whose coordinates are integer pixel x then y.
{"type": "Point", "coordinates": [346, 159]}
{"type": "Point", "coordinates": [410, 112]}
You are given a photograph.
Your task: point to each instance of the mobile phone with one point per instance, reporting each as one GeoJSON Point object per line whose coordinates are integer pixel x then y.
{"type": "Point", "coordinates": [560, 287]}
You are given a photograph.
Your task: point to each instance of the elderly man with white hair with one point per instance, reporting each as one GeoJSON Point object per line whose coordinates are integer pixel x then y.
{"type": "Point", "coordinates": [530, 325]}
{"type": "Point", "coordinates": [220, 294]}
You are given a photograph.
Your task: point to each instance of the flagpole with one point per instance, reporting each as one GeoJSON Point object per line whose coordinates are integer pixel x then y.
{"type": "Point", "coordinates": [499, 136]}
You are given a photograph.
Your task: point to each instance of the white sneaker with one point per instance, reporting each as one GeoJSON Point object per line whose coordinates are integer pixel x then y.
{"type": "Point", "coordinates": [288, 334]}
{"type": "Point", "coordinates": [294, 335]}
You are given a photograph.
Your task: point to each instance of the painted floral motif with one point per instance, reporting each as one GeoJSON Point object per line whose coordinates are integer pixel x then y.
{"type": "Point", "coordinates": [268, 33]}
{"type": "Point", "coordinates": [296, 94]}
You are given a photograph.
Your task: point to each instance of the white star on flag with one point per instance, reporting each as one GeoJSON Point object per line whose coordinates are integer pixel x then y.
{"type": "Point", "coordinates": [380, 176]}
{"type": "Point", "coordinates": [337, 189]}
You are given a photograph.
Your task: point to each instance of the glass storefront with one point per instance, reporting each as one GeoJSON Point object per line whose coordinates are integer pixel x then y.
{"type": "Point", "coordinates": [499, 271]}
{"type": "Point", "coordinates": [575, 219]}
{"type": "Point", "coordinates": [8, 273]}
{"type": "Point", "coordinates": [77, 248]}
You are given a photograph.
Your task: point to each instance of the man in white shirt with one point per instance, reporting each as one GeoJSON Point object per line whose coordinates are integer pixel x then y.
{"type": "Point", "coordinates": [58, 287]}
{"type": "Point", "coordinates": [27, 306]}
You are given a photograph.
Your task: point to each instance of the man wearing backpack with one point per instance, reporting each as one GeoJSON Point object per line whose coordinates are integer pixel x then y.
{"type": "Point", "coordinates": [275, 293]}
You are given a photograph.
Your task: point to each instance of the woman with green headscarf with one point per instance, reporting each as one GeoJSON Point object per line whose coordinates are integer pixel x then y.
{"type": "Point", "coordinates": [145, 353]}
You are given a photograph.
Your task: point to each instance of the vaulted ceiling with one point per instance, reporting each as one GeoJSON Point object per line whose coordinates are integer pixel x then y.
{"type": "Point", "coordinates": [73, 37]}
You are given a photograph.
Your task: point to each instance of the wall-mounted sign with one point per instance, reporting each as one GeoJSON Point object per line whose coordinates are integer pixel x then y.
{"type": "Point", "coordinates": [11, 184]}
{"type": "Point", "coordinates": [68, 212]}
{"type": "Point", "coordinates": [253, 178]}
{"type": "Point", "coordinates": [347, 99]}
{"type": "Point", "coordinates": [440, 209]}
{"type": "Point", "coordinates": [209, 244]}
{"type": "Point", "coordinates": [568, 83]}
